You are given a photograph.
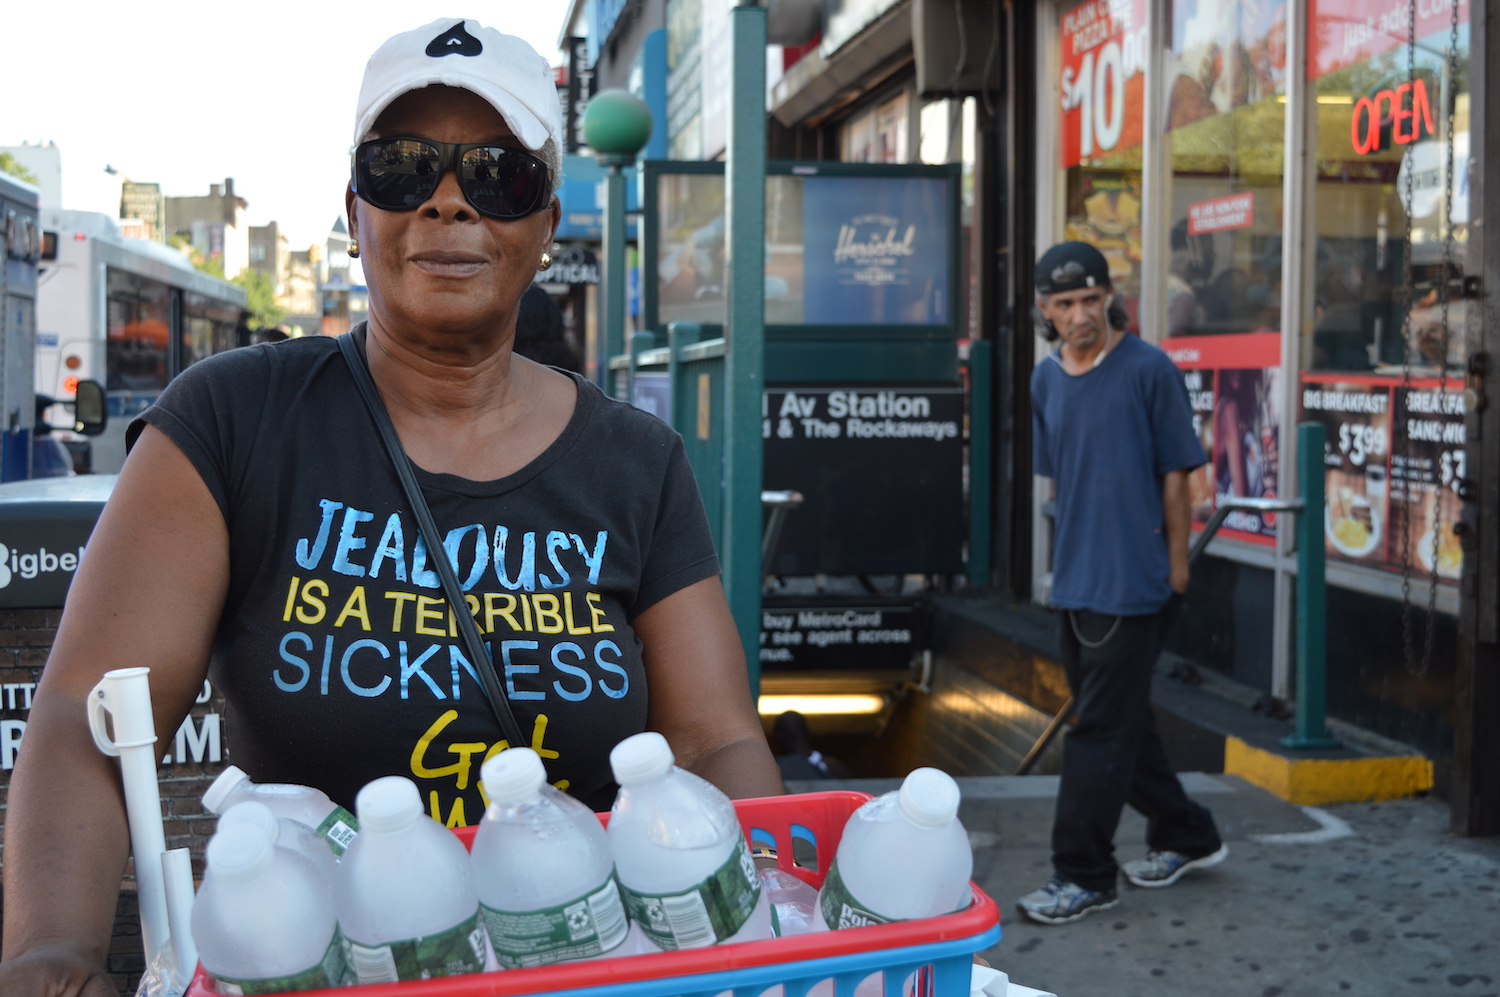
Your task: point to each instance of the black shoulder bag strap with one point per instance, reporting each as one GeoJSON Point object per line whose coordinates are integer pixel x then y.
{"type": "Point", "coordinates": [484, 666]}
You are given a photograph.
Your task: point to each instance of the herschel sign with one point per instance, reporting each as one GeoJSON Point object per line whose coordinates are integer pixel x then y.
{"type": "Point", "coordinates": [1406, 110]}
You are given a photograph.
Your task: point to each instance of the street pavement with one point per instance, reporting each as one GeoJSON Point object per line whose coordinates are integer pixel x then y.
{"type": "Point", "coordinates": [1364, 898]}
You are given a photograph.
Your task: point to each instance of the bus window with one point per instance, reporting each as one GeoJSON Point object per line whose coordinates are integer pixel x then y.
{"type": "Point", "coordinates": [208, 327]}
{"type": "Point", "coordinates": [136, 343]}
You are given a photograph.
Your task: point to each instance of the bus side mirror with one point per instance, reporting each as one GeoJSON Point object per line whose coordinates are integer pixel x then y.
{"type": "Point", "coordinates": [90, 414]}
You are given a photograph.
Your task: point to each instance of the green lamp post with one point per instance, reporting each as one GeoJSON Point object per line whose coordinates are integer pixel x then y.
{"type": "Point", "coordinates": [616, 125]}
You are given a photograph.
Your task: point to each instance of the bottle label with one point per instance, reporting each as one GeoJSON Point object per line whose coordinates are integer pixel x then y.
{"type": "Point", "coordinates": [331, 971]}
{"type": "Point", "coordinates": [454, 952]}
{"type": "Point", "coordinates": [591, 925]}
{"type": "Point", "coordinates": [339, 829]}
{"type": "Point", "coordinates": [840, 908]}
{"type": "Point", "coordinates": [707, 913]}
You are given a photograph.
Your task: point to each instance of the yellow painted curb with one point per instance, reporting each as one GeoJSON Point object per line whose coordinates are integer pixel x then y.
{"type": "Point", "coordinates": [1312, 781]}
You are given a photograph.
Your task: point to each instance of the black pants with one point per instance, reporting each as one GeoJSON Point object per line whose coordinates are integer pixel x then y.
{"type": "Point", "coordinates": [1113, 755]}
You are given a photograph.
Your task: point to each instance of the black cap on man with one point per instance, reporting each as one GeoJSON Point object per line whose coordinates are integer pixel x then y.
{"type": "Point", "coordinates": [1071, 266]}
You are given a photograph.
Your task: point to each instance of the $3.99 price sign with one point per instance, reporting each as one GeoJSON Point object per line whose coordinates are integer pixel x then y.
{"type": "Point", "coordinates": [1363, 444]}
{"type": "Point", "coordinates": [1103, 77]}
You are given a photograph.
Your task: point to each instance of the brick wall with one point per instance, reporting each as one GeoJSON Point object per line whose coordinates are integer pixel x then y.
{"type": "Point", "coordinates": [197, 755]}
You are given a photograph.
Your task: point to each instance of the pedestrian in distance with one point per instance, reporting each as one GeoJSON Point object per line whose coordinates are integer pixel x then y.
{"type": "Point", "coordinates": [259, 478]}
{"type": "Point", "coordinates": [795, 755]}
{"type": "Point", "coordinates": [1112, 427]}
{"type": "Point", "coordinates": [540, 333]}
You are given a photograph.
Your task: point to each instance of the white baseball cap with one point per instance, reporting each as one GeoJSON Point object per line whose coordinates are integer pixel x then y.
{"type": "Point", "coordinates": [458, 52]}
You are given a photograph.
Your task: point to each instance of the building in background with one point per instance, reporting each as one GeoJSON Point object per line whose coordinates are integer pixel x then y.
{"type": "Point", "coordinates": [299, 294]}
{"type": "Point", "coordinates": [143, 211]}
{"type": "Point", "coordinates": [215, 225]}
{"type": "Point", "coordinates": [75, 189]}
{"type": "Point", "coordinates": [343, 299]}
{"type": "Point", "coordinates": [269, 253]}
{"type": "Point", "coordinates": [44, 161]}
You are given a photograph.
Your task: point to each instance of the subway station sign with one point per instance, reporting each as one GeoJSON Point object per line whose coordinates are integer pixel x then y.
{"type": "Point", "coordinates": [881, 470]}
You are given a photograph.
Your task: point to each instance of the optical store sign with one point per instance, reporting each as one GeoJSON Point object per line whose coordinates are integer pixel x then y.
{"type": "Point", "coordinates": [1103, 77]}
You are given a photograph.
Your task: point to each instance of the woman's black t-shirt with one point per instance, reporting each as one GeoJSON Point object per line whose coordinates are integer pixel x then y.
{"type": "Point", "coordinates": [336, 652]}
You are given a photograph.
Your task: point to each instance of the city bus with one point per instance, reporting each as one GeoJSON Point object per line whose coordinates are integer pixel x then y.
{"type": "Point", "coordinates": [129, 313]}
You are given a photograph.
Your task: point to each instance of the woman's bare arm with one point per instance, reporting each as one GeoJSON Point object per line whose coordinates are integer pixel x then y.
{"type": "Point", "coordinates": [700, 693]}
{"type": "Point", "coordinates": [148, 592]}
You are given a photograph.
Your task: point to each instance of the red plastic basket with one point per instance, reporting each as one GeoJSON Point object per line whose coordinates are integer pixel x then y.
{"type": "Point", "coordinates": [938, 951]}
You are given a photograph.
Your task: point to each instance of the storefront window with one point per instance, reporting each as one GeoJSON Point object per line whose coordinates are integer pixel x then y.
{"type": "Point", "coordinates": [1389, 220]}
{"type": "Point", "coordinates": [1226, 70]}
{"type": "Point", "coordinates": [1102, 91]}
{"type": "Point", "coordinates": [1224, 92]}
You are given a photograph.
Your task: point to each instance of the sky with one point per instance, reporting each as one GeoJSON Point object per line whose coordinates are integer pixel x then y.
{"type": "Point", "coordinates": [185, 94]}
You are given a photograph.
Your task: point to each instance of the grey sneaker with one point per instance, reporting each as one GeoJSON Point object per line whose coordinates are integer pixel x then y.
{"type": "Point", "coordinates": [1164, 868]}
{"type": "Point", "coordinates": [1061, 901]}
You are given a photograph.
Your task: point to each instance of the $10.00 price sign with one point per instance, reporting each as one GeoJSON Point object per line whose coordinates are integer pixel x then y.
{"type": "Point", "coordinates": [1103, 77]}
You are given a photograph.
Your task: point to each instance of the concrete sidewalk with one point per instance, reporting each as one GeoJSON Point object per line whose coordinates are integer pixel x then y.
{"type": "Point", "coordinates": [1366, 898]}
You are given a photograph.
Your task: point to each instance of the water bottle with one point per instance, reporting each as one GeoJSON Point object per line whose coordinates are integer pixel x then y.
{"type": "Point", "coordinates": [680, 855]}
{"type": "Point", "coordinates": [404, 892]}
{"type": "Point", "coordinates": [264, 920]}
{"type": "Point", "coordinates": [302, 804]}
{"type": "Point", "coordinates": [903, 855]}
{"type": "Point", "coordinates": [546, 880]}
{"type": "Point", "coordinates": [792, 902]}
{"type": "Point", "coordinates": [285, 833]}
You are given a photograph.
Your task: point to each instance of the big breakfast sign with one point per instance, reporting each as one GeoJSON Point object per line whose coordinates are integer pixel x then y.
{"type": "Point", "coordinates": [1103, 78]}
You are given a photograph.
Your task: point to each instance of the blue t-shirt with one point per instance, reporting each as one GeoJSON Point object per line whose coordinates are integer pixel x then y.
{"type": "Point", "coordinates": [1107, 436]}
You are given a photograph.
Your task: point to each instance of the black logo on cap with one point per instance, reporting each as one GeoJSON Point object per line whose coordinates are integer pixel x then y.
{"type": "Point", "coordinates": [454, 41]}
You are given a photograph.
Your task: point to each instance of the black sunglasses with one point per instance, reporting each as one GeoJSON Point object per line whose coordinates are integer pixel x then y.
{"type": "Point", "coordinates": [401, 174]}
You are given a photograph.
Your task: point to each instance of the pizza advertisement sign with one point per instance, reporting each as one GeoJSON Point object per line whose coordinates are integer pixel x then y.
{"type": "Point", "coordinates": [1103, 78]}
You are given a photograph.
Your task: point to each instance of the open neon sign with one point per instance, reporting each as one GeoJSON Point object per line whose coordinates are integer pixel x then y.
{"type": "Point", "coordinates": [1407, 109]}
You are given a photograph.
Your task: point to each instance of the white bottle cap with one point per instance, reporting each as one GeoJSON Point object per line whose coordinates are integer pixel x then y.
{"type": "Point", "coordinates": [929, 797]}
{"type": "Point", "coordinates": [388, 804]}
{"type": "Point", "coordinates": [239, 852]}
{"type": "Point", "coordinates": [641, 757]}
{"type": "Point", "coordinates": [228, 781]}
{"type": "Point", "coordinates": [256, 815]}
{"type": "Point", "coordinates": [513, 776]}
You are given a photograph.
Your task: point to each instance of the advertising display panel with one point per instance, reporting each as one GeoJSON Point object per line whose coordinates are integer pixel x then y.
{"type": "Point", "coordinates": [1394, 458]}
{"type": "Point", "coordinates": [1234, 388]}
{"type": "Point", "coordinates": [1103, 77]}
{"type": "Point", "coordinates": [854, 246]}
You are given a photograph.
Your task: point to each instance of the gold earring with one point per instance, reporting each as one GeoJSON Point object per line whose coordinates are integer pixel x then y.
{"type": "Point", "coordinates": [353, 250]}
{"type": "Point", "coordinates": [546, 263]}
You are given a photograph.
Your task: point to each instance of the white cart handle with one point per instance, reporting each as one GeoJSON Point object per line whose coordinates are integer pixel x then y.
{"type": "Point", "coordinates": [125, 695]}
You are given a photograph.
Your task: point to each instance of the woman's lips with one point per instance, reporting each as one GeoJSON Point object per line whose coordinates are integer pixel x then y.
{"type": "Point", "coordinates": [449, 264]}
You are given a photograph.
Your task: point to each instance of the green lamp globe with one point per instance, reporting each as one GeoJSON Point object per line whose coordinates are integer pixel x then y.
{"type": "Point", "coordinates": [616, 123]}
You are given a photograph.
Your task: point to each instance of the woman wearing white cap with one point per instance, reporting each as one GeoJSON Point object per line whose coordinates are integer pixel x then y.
{"type": "Point", "coordinates": [259, 534]}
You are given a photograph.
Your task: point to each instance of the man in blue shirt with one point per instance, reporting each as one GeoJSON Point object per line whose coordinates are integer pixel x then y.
{"type": "Point", "coordinates": [1113, 429]}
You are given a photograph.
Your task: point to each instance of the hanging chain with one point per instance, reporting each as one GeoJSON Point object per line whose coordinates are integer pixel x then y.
{"type": "Point", "coordinates": [1450, 104]}
{"type": "Point", "coordinates": [1450, 100]}
{"type": "Point", "coordinates": [1406, 307]}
